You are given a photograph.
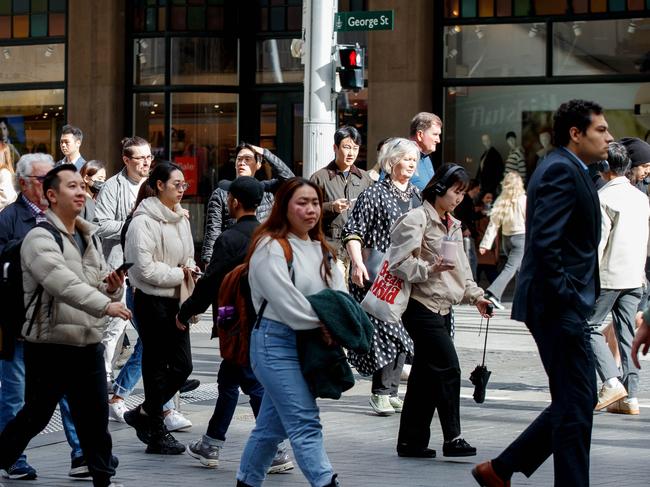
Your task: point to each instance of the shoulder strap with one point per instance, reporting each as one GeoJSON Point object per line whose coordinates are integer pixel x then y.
{"type": "Point", "coordinates": [55, 233]}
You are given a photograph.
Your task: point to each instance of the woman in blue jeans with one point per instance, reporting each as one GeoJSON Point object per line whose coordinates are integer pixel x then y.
{"type": "Point", "coordinates": [509, 214]}
{"type": "Point", "coordinates": [278, 290]}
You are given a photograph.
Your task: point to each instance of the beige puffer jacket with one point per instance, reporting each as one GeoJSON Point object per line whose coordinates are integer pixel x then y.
{"type": "Point", "coordinates": [158, 242]}
{"type": "Point", "coordinates": [416, 239]}
{"type": "Point", "coordinates": [74, 299]}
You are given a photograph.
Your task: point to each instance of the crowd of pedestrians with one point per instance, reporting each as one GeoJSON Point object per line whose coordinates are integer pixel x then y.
{"type": "Point", "coordinates": [96, 254]}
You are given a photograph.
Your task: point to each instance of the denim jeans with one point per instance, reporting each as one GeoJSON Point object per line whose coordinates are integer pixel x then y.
{"type": "Point", "coordinates": [132, 370]}
{"type": "Point", "coordinates": [12, 399]}
{"type": "Point", "coordinates": [288, 410]}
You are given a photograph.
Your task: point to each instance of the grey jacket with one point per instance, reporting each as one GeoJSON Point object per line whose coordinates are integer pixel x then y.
{"type": "Point", "coordinates": [218, 219]}
{"type": "Point", "coordinates": [113, 205]}
{"type": "Point", "coordinates": [74, 299]}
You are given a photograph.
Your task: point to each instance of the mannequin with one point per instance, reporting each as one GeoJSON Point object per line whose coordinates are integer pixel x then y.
{"type": "Point", "coordinates": [490, 170]}
{"type": "Point", "coordinates": [545, 141]}
{"type": "Point", "coordinates": [516, 161]}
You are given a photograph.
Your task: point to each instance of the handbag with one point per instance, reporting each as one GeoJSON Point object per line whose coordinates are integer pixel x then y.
{"type": "Point", "coordinates": [388, 296]}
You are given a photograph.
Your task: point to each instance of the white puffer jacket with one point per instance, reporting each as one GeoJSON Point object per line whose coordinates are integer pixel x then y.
{"type": "Point", "coordinates": [74, 299]}
{"type": "Point", "coordinates": [158, 242]}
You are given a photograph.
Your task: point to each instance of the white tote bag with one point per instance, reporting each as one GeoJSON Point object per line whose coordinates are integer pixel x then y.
{"type": "Point", "coordinates": [388, 296]}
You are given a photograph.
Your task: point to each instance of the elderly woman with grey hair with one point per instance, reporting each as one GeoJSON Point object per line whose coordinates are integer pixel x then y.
{"type": "Point", "coordinates": [366, 236]}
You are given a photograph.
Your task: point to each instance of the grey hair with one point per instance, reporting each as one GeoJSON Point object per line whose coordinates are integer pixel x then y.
{"type": "Point", "coordinates": [394, 150]}
{"type": "Point", "coordinates": [26, 162]}
{"type": "Point", "coordinates": [618, 158]}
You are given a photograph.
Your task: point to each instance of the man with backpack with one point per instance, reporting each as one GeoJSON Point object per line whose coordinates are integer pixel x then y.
{"type": "Point", "coordinates": [244, 195]}
{"type": "Point", "coordinates": [69, 292]}
{"type": "Point", "coordinates": [15, 221]}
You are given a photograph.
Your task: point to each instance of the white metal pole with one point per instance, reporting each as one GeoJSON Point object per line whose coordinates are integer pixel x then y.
{"type": "Point", "coordinates": [319, 101]}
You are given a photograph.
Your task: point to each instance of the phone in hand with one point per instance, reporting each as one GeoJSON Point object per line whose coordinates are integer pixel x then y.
{"type": "Point", "coordinates": [124, 267]}
{"type": "Point", "coordinates": [489, 309]}
{"type": "Point", "coordinates": [196, 272]}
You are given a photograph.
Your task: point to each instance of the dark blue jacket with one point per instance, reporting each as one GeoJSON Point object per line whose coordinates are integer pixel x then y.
{"type": "Point", "coordinates": [558, 280]}
{"type": "Point", "coordinates": [15, 221]}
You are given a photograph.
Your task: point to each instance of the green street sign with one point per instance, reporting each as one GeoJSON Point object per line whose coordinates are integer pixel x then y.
{"type": "Point", "coordinates": [377, 20]}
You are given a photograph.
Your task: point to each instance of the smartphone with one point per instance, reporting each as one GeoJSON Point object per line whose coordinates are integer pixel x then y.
{"type": "Point", "coordinates": [196, 273]}
{"type": "Point", "coordinates": [124, 267]}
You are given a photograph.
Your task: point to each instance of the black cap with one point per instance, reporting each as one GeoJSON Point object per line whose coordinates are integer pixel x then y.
{"type": "Point", "coordinates": [248, 190]}
{"type": "Point", "coordinates": [637, 149]}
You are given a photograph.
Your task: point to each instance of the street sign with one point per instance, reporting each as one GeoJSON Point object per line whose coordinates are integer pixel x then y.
{"type": "Point", "coordinates": [377, 20]}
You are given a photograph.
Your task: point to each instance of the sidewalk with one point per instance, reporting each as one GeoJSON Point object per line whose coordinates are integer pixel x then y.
{"type": "Point", "coordinates": [361, 446]}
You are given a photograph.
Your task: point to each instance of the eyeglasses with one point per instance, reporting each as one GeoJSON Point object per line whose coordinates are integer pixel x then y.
{"type": "Point", "coordinates": [40, 179]}
{"type": "Point", "coordinates": [142, 158]}
{"type": "Point", "coordinates": [181, 185]}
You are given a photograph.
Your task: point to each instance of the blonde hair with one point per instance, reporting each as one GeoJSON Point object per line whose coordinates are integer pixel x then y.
{"type": "Point", "coordinates": [6, 161]}
{"type": "Point", "coordinates": [512, 188]}
{"type": "Point", "coordinates": [394, 150]}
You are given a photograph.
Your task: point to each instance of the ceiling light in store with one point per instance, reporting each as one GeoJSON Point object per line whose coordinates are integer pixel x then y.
{"type": "Point", "coordinates": [216, 106]}
{"type": "Point", "coordinates": [6, 53]}
{"type": "Point", "coordinates": [457, 29]}
{"type": "Point", "coordinates": [142, 58]}
{"type": "Point", "coordinates": [143, 44]}
{"type": "Point", "coordinates": [534, 30]}
{"type": "Point", "coordinates": [49, 50]}
{"type": "Point", "coordinates": [153, 112]}
{"type": "Point", "coordinates": [577, 28]}
{"type": "Point", "coordinates": [454, 13]}
{"type": "Point", "coordinates": [479, 32]}
{"type": "Point", "coordinates": [60, 108]}
{"type": "Point", "coordinates": [155, 105]}
{"type": "Point", "coordinates": [631, 27]}
{"type": "Point", "coordinates": [56, 114]}
{"type": "Point", "coordinates": [452, 53]}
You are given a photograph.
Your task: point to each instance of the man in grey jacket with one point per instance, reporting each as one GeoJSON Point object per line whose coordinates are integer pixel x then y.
{"type": "Point", "coordinates": [73, 292]}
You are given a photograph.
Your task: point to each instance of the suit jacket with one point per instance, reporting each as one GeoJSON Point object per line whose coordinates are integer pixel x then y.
{"type": "Point", "coordinates": [559, 272]}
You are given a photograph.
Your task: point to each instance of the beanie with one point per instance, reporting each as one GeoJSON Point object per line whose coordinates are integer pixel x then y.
{"type": "Point", "coordinates": [637, 149]}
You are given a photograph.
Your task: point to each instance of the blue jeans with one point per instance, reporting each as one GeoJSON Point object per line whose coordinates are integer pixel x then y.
{"type": "Point", "coordinates": [12, 399]}
{"type": "Point", "coordinates": [288, 410]}
{"type": "Point", "coordinates": [132, 370]}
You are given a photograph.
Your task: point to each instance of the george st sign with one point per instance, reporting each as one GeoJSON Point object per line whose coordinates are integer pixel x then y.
{"type": "Point", "coordinates": [377, 20]}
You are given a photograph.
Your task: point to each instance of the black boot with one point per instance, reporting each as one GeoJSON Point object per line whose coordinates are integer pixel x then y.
{"type": "Point", "coordinates": [334, 482]}
{"type": "Point", "coordinates": [242, 484]}
{"type": "Point", "coordinates": [141, 423]}
{"type": "Point", "coordinates": [162, 442]}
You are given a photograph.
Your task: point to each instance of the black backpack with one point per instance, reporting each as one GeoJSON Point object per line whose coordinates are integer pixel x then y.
{"type": "Point", "coordinates": [11, 292]}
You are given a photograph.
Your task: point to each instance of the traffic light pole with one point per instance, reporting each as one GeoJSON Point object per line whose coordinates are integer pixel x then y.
{"type": "Point", "coordinates": [319, 101]}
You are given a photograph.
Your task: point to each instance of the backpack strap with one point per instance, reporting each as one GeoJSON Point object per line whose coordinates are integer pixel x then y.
{"type": "Point", "coordinates": [288, 256]}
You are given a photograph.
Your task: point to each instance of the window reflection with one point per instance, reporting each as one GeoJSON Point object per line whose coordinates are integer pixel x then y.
{"type": "Point", "coordinates": [275, 63]}
{"type": "Point", "coordinates": [28, 64]}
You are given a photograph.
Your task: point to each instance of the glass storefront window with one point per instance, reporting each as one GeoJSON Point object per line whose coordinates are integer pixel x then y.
{"type": "Point", "coordinates": [30, 120]}
{"type": "Point", "coordinates": [275, 63]}
{"type": "Point", "coordinates": [149, 121]}
{"type": "Point", "coordinates": [601, 47]}
{"type": "Point", "coordinates": [203, 136]}
{"type": "Point", "coordinates": [28, 64]}
{"type": "Point", "coordinates": [149, 61]}
{"type": "Point", "coordinates": [473, 111]}
{"type": "Point", "coordinates": [501, 50]}
{"type": "Point", "coordinates": [204, 61]}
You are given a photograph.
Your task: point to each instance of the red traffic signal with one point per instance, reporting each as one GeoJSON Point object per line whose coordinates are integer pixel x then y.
{"type": "Point", "coordinates": [351, 68]}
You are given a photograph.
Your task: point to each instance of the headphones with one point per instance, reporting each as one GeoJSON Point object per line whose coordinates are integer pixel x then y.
{"type": "Point", "coordinates": [441, 186]}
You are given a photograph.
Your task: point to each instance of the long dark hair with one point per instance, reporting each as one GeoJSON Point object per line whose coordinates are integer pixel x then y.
{"type": "Point", "coordinates": [277, 225]}
{"type": "Point", "coordinates": [444, 178]}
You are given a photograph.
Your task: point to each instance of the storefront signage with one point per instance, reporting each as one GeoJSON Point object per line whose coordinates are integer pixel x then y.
{"type": "Point", "coordinates": [377, 20]}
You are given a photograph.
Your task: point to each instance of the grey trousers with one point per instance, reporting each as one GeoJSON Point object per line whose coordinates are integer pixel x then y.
{"type": "Point", "coordinates": [513, 245]}
{"type": "Point", "coordinates": [622, 303]}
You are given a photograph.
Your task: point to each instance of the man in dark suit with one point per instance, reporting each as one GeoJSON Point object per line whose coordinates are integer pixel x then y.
{"type": "Point", "coordinates": [556, 291]}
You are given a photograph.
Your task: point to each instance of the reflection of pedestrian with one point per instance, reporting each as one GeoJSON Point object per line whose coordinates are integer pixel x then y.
{"type": "Point", "coordinates": [7, 190]}
{"type": "Point", "coordinates": [5, 135]}
{"type": "Point", "coordinates": [487, 262]}
{"type": "Point", "coordinates": [508, 214]}
{"type": "Point", "coordinates": [556, 291]}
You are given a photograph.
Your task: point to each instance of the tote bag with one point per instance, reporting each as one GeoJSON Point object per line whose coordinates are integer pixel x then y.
{"type": "Point", "coordinates": [388, 296]}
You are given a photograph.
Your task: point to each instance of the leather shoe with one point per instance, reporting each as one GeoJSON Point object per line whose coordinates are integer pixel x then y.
{"type": "Point", "coordinates": [405, 451]}
{"type": "Point", "coordinates": [487, 477]}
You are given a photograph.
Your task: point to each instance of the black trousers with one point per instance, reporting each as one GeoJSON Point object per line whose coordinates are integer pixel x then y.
{"type": "Point", "coordinates": [563, 429]}
{"type": "Point", "coordinates": [166, 353]}
{"type": "Point", "coordinates": [434, 382]}
{"type": "Point", "coordinates": [52, 371]}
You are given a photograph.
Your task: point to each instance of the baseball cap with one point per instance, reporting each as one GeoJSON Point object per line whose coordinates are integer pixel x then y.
{"type": "Point", "coordinates": [248, 190]}
{"type": "Point", "coordinates": [637, 149]}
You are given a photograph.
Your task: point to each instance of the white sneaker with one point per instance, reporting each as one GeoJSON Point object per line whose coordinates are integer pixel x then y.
{"type": "Point", "coordinates": [396, 403]}
{"type": "Point", "coordinates": [610, 394]}
{"type": "Point", "coordinates": [116, 411]}
{"type": "Point", "coordinates": [175, 421]}
{"type": "Point", "coordinates": [381, 405]}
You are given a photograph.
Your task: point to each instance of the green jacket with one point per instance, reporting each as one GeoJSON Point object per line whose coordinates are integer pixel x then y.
{"type": "Point", "coordinates": [325, 367]}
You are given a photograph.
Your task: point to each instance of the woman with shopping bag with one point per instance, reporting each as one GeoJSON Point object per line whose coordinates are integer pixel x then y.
{"type": "Point", "coordinates": [427, 252]}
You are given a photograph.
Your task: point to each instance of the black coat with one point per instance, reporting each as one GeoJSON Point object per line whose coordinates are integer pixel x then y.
{"type": "Point", "coordinates": [15, 221]}
{"type": "Point", "coordinates": [229, 251]}
{"type": "Point", "coordinates": [559, 276]}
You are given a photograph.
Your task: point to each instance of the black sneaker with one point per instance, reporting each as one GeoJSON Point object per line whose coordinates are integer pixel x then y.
{"type": "Point", "coordinates": [189, 385]}
{"type": "Point", "coordinates": [165, 444]}
{"type": "Point", "coordinates": [404, 450]}
{"type": "Point", "coordinates": [458, 448]}
{"type": "Point", "coordinates": [79, 468]}
{"type": "Point", "coordinates": [141, 423]}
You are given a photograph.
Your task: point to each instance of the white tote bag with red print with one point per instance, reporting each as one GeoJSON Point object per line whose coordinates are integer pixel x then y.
{"type": "Point", "coordinates": [388, 296]}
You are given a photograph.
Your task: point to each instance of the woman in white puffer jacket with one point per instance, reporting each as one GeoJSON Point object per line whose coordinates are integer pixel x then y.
{"type": "Point", "coordinates": [159, 244]}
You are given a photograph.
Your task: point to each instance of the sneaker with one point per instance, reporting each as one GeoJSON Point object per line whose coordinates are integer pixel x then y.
{"type": "Point", "coordinates": [175, 421]}
{"type": "Point", "coordinates": [610, 394]}
{"type": "Point", "coordinates": [207, 454]}
{"type": "Point", "coordinates": [281, 463]}
{"type": "Point", "coordinates": [623, 406]}
{"type": "Point", "coordinates": [20, 471]}
{"type": "Point", "coordinates": [116, 411]}
{"type": "Point", "coordinates": [135, 419]}
{"type": "Point", "coordinates": [493, 299]}
{"type": "Point", "coordinates": [396, 403]}
{"type": "Point", "coordinates": [458, 448]}
{"type": "Point", "coordinates": [125, 354]}
{"type": "Point", "coordinates": [189, 385]}
{"type": "Point", "coordinates": [162, 442]}
{"type": "Point", "coordinates": [381, 405]}
{"type": "Point", "coordinates": [403, 450]}
{"type": "Point", "coordinates": [79, 468]}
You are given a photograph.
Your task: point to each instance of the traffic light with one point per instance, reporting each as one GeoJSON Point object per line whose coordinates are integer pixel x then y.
{"type": "Point", "coordinates": [351, 68]}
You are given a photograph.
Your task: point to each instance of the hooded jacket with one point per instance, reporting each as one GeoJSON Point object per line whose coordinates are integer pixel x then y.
{"type": "Point", "coordinates": [158, 242]}
{"type": "Point", "coordinates": [74, 300]}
